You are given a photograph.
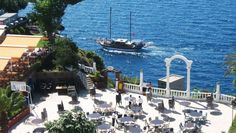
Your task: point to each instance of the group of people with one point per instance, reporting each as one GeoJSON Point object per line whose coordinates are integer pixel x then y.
{"type": "Point", "coordinates": [132, 101]}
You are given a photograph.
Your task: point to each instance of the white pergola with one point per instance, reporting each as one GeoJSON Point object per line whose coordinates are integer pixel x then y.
{"type": "Point", "coordinates": [168, 64]}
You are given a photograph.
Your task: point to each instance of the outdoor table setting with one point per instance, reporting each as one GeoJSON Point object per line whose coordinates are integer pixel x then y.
{"type": "Point", "coordinates": [195, 114]}
{"type": "Point", "coordinates": [126, 119]}
{"type": "Point", "coordinates": [104, 106]}
{"type": "Point", "coordinates": [156, 100]}
{"type": "Point", "coordinates": [156, 122]}
{"type": "Point", "coordinates": [135, 129]}
{"type": "Point", "coordinates": [94, 116]}
{"type": "Point", "coordinates": [189, 126]}
{"type": "Point", "coordinates": [39, 130]}
{"type": "Point", "coordinates": [136, 109]}
{"type": "Point", "coordinates": [104, 127]}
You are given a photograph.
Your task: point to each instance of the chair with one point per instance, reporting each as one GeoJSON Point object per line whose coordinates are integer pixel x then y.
{"type": "Point", "coordinates": [181, 127]}
{"type": "Point", "coordinates": [119, 124]}
{"type": "Point", "coordinates": [149, 119]}
{"type": "Point", "coordinates": [200, 111]}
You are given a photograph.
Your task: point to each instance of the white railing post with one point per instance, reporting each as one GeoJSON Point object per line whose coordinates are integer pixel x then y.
{"type": "Point", "coordinates": [168, 80]}
{"type": "Point", "coordinates": [94, 67]}
{"type": "Point", "coordinates": [117, 83]}
{"type": "Point", "coordinates": [188, 80]}
{"type": "Point", "coordinates": [141, 79]}
{"type": "Point", "coordinates": [217, 92]}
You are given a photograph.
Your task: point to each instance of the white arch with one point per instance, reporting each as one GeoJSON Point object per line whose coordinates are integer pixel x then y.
{"type": "Point", "coordinates": [188, 64]}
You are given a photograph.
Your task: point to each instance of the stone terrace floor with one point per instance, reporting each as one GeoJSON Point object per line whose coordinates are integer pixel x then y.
{"type": "Point", "coordinates": [219, 118]}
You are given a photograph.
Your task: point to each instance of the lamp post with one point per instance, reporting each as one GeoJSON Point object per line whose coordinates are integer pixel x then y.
{"type": "Point", "coordinates": [233, 103]}
{"type": "Point", "coordinates": [30, 101]}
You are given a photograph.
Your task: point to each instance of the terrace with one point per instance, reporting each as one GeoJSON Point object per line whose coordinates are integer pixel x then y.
{"type": "Point", "coordinates": [161, 110]}
{"type": "Point", "coordinates": [169, 117]}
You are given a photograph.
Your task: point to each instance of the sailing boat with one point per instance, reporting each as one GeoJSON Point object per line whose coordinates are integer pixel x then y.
{"type": "Point", "coordinates": [121, 44]}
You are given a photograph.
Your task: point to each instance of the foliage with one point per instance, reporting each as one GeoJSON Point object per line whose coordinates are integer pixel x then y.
{"type": "Point", "coordinates": [88, 57]}
{"type": "Point", "coordinates": [230, 61]}
{"type": "Point", "coordinates": [11, 104]}
{"type": "Point", "coordinates": [233, 126]}
{"type": "Point", "coordinates": [43, 43]}
{"type": "Point", "coordinates": [65, 54]}
{"type": "Point", "coordinates": [132, 80]}
{"type": "Point", "coordinates": [13, 5]}
{"type": "Point", "coordinates": [71, 122]}
{"type": "Point", "coordinates": [48, 16]}
{"type": "Point", "coordinates": [111, 83]}
{"type": "Point", "coordinates": [20, 30]}
{"type": "Point", "coordinates": [96, 76]}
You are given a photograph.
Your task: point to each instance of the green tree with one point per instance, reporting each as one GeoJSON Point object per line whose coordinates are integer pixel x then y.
{"type": "Point", "coordinates": [48, 16]}
{"type": "Point", "coordinates": [65, 53]}
{"type": "Point", "coordinates": [71, 122]}
{"type": "Point", "coordinates": [230, 61]}
{"type": "Point", "coordinates": [13, 5]}
{"type": "Point", "coordinates": [95, 58]}
{"type": "Point", "coordinates": [11, 103]}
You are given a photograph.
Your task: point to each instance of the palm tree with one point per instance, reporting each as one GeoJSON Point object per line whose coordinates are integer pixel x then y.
{"type": "Point", "coordinates": [230, 61]}
{"type": "Point", "coordinates": [11, 103]}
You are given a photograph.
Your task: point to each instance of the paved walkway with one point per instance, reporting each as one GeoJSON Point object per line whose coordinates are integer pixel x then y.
{"type": "Point", "coordinates": [219, 118]}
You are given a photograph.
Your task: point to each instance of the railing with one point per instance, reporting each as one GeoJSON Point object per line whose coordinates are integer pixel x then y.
{"type": "Point", "coordinates": [178, 94]}
{"type": "Point", "coordinates": [226, 98]}
{"type": "Point", "coordinates": [86, 69]}
{"type": "Point", "coordinates": [159, 92]}
{"type": "Point", "coordinates": [83, 78]}
{"type": "Point", "coordinates": [132, 88]}
{"type": "Point", "coordinates": [198, 96]}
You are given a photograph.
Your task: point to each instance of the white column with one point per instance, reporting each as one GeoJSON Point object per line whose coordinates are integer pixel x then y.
{"type": "Point", "coordinates": [117, 82]}
{"type": "Point", "coordinates": [188, 81]}
{"type": "Point", "coordinates": [141, 79]}
{"type": "Point", "coordinates": [217, 91]}
{"type": "Point", "coordinates": [167, 80]}
{"type": "Point", "coordinates": [94, 67]}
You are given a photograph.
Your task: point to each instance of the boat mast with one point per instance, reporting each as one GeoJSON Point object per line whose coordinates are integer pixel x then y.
{"type": "Point", "coordinates": [130, 27]}
{"type": "Point", "coordinates": [110, 22]}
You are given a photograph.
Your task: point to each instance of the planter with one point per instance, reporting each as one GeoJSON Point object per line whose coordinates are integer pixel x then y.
{"type": "Point", "coordinates": [18, 117]}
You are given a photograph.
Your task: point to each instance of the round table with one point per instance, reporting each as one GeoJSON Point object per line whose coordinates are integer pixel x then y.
{"type": "Point", "coordinates": [126, 119]}
{"type": "Point", "coordinates": [134, 130]}
{"type": "Point", "coordinates": [185, 103]}
{"type": "Point", "coordinates": [189, 126]}
{"type": "Point", "coordinates": [187, 110]}
{"type": "Point", "coordinates": [39, 130]}
{"type": "Point", "coordinates": [94, 116]}
{"type": "Point", "coordinates": [104, 106]}
{"type": "Point", "coordinates": [157, 100]}
{"type": "Point", "coordinates": [195, 114]}
{"type": "Point", "coordinates": [157, 122]}
{"type": "Point", "coordinates": [130, 98]}
{"type": "Point", "coordinates": [136, 109]}
{"type": "Point", "coordinates": [104, 127]}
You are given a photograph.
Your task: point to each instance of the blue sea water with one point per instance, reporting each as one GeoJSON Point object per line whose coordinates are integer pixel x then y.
{"type": "Point", "coordinates": [202, 30]}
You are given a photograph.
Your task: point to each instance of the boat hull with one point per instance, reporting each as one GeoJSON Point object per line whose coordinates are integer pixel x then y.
{"type": "Point", "coordinates": [121, 45]}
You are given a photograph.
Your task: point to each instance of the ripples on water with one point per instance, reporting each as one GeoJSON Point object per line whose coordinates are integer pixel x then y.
{"type": "Point", "coordinates": [203, 31]}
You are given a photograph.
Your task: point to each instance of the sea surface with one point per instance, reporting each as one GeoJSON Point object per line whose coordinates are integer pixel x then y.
{"type": "Point", "coordinates": [204, 31]}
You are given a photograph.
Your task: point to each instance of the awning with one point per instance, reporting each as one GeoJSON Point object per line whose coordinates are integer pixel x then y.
{"type": "Point", "coordinates": [3, 63]}
{"type": "Point", "coordinates": [28, 40]}
{"type": "Point", "coordinates": [13, 52]}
